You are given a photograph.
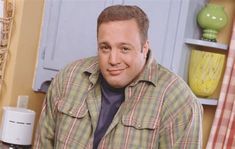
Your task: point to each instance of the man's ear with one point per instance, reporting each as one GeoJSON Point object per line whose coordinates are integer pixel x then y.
{"type": "Point", "coordinates": [146, 48]}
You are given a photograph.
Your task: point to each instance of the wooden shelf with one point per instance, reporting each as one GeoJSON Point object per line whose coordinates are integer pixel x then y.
{"type": "Point", "coordinates": [206, 43]}
{"type": "Point", "coordinates": [208, 101]}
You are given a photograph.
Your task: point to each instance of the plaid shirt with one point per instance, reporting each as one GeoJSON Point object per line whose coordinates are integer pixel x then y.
{"type": "Point", "coordinates": [159, 111]}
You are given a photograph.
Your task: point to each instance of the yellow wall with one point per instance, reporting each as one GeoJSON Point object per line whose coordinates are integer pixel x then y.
{"type": "Point", "coordinates": [22, 55]}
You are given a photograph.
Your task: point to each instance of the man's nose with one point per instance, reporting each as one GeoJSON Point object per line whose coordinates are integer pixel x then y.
{"type": "Point", "coordinates": [114, 58]}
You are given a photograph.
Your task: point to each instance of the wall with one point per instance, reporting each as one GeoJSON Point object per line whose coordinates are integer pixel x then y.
{"type": "Point", "coordinates": [22, 56]}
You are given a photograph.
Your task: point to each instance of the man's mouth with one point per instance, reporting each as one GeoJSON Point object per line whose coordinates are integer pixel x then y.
{"type": "Point", "coordinates": [115, 72]}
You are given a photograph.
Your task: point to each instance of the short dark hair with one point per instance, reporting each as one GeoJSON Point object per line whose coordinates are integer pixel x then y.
{"type": "Point", "coordinates": [126, 12]}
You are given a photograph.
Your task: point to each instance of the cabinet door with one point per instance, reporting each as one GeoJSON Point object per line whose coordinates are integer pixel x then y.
{"type": "Point", "coordinates": [72, 31]}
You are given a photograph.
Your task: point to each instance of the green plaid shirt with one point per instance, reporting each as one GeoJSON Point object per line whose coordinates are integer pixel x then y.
{"type": "Point", "coordinates": [159, 111]}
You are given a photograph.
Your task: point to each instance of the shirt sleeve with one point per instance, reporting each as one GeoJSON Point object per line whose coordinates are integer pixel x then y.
{"type": "Point", "coordinates": [45, 132]}
{"type": "Point", "coordinates": [181, 125]}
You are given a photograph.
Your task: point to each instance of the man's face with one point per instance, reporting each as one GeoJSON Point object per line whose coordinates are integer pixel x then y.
{"type": "Point", "coordinates": [121, 56]}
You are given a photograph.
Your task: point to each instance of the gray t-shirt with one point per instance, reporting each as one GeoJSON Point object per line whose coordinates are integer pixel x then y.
{"type": "Point", "coordinates": [111, 100]}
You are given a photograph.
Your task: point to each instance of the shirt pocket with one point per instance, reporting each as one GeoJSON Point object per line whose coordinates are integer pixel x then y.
{"type": "Point", "coordinates": [73, 125]}
{"type": "Point", "coordinates": [138, 123]}
{"type": "Point", "coordinates": [140, 133]}
{"type": "Point", "coordinates": [72, 109]}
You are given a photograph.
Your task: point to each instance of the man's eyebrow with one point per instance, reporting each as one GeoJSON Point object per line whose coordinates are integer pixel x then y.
{"type": "Point", "coordinates": [119, 44]}
{"type": "Point", "coordinates": [124, 43]}
{"type": "Point", "coordinates": [104, 42]}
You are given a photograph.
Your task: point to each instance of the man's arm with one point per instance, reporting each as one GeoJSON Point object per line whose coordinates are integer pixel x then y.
{"type": "Point", "coordinates": [44, 136]}
{"type": "Point", "coordinates": [181, 126]}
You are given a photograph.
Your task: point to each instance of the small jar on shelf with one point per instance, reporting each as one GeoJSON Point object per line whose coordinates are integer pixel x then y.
{"type": "Point", "coordinates": [211, 18]}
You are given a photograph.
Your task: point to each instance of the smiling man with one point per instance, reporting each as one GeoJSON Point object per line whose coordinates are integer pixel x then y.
{"type": "Point", "coordinates": [121, 55]}
{"type": "Point", "coordinates": [122, 98]}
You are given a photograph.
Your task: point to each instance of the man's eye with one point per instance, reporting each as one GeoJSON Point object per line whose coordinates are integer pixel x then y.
{"type": "Point", "coordinates": [104, 48]}
{"type": "Point", "coordinates": [125, 49]}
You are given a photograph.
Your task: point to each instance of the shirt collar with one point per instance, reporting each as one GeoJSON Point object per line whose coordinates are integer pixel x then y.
{"type": "Point", "coordinates": [92, 70]}
{"type": "Point", "coordinates": [149, 73]}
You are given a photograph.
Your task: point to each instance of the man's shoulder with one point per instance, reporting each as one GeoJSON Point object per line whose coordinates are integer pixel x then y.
{"type": "Point", "coordinates": [81, 65]}
{"type": "Point", "coordinates": [74, 74]}
{"type": "Point", "coordinates": [77, 69]}
{"type": "Point", "coordinates": [175, 86]}
{"type": "Point", "coordinates": [177, 95]}
{"type": "Point", "coordinates": [166, 76]}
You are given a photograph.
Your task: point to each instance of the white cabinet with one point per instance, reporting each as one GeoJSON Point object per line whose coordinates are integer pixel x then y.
{"type": "Point", "coordinates": [69, 32]}
{"type": "Point", "coordinates": [72, 31]}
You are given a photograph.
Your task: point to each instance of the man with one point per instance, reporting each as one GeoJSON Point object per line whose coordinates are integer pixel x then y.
{"type": "Point", "coordinates": [121, 99]}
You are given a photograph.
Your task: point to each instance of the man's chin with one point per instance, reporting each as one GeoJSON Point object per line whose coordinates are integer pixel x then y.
{"type": "Point", "coordinates": [116, 83]}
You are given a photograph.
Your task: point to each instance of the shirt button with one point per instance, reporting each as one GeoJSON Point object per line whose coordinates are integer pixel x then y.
{"type": "Point", "coordinates": [139, 126]}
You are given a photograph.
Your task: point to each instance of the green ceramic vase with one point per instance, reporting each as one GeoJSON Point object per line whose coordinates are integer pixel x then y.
{"type": "Point", "coordinates": [212, 18]}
